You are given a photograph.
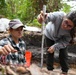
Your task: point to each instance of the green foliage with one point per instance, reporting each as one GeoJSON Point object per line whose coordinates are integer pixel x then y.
{"type": "Point", "coordinates": [15, 8]}
{"type": "Point", "coordinates": [32, 9]}
{"type": "Point", "coordinates": [28, 10]}
{"type": "Point", "coordinates": [35, 23]}
{"type": "Point", "coordinates": [54, 5]}
{"type": "Point", "coordinates": [22, 9]}
{"type": "Point", "coordinates": [2, 7]}
{"type": "Point", "coordinates": [66, 8]}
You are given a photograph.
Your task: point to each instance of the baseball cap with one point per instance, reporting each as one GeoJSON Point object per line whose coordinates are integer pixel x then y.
{"type": "Point", "coordinates": [15, 23]}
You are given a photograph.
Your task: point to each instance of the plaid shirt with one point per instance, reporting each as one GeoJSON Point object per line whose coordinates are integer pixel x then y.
{"type": "Point", "coordinates": [18, 57]}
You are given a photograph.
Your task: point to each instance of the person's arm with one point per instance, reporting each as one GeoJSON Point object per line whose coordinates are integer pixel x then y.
{"type": "Point", "coordinates": [52, 16]}
{"type": "Point", "coordinates": [6, 48]}
{"type": "Point", "coordinates": [62, 42]}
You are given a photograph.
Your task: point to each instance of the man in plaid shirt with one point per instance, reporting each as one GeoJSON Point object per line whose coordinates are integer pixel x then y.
{"type": "Point", "coordinates": [13, 47]}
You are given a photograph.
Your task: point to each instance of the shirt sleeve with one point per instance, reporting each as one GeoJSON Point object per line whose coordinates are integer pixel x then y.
{"type": "Point", "coordinates": [3, 42]}
{"type": "Point", "coordinates": [53, 16]}
{"type": "Point", "coordinates": [62, 42]}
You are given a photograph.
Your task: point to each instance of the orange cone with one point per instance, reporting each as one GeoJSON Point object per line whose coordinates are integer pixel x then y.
{"type": "Point", "coordinates": [28, 56]}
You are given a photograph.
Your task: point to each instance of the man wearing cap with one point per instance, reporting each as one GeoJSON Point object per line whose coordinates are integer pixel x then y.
{"type": "Point", "coordinates": [13, 46]}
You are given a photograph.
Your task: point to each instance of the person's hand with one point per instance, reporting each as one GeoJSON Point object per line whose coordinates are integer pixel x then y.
{"type": "Point", "coordinates": [6, 49]}
{"type": "Point", "coordinates": [41, 17]}
{"type": "Point", "coordinates": [51, 49]}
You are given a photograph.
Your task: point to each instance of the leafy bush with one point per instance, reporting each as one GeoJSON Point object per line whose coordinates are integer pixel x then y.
{"type": "Point", "coordinates": [66, 8]}
{"type": "Point", "coordinates": [34, 23]}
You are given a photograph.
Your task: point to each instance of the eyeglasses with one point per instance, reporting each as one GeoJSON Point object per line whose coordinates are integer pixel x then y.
{"type": "Point", "coordinates": [67, 24]}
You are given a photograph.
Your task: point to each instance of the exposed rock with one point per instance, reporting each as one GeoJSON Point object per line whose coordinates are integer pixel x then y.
{"type": "Point", "coordinates": [32, 38]}
{"type": "Point", "coordinates": [33, 41]}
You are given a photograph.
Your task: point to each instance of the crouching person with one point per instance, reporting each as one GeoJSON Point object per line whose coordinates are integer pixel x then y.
{"type": "Point", "coordinates": [13, 47]}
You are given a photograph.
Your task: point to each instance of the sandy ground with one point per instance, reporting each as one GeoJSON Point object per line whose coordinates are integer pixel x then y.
{"type": "Point", "coordinates": [36, 70]}
{"type": "Point", "coordinates": [56, 71]}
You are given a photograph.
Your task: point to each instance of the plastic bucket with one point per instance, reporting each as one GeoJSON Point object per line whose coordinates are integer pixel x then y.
{"type": "Point", "coordinates": [28, 56]}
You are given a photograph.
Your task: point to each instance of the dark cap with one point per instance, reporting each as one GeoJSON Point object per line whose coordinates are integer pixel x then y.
{"type": "Point", "coordinates": [15, 23]}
